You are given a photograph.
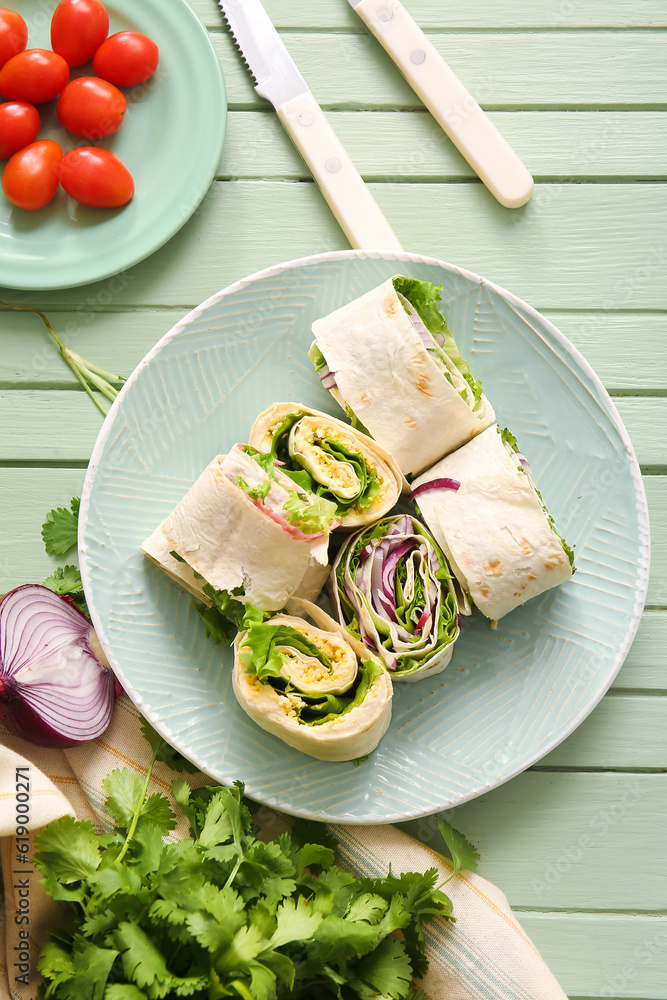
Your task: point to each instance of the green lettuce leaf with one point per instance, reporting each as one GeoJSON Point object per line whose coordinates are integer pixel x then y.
{"type": "Point", "coordinates": [508, 438]}
{"type": "Point", "coordinates": [309, 516]}
{"type": "Point", "coordinates": [424, 297]}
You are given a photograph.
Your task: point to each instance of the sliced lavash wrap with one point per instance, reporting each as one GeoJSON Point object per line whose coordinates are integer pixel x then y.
{"type": "Point", "coordinates": [316, 688]}
{"type": "Point", "coordinates": [331, 459]}
{"type": "Point", "coordinates": [245, 535]}
{"type": "Point", "coordinates": [492, 525]}
{"type": "Point", "coordinates": [392, 589]}
{"type": "Point", "coordinates": [389, 359]}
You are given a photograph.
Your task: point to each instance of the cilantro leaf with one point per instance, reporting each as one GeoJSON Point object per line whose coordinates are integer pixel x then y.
{"type": "Point", "coordinates": [65, 580]}
{"type": "Point", "coordinates": [142, 961]}
{"type": "Point", "coordinates": [120, 878]}
{"type": "Point", "coordinates": [55, 962]}
{"type": "Point", "coordinates": [124, 991]}
{"type": "Point", "coordinates": [246, 945]}
{"type": "Point", "coordinates": [92, 966]}
{"type": "Point", "coordinates": [368, 907]}
{"type": "Point", "coordinates": [387, 969]}
{"type": "Point", "coordinates": [156, 810]}
{"type": "Point", "coordinates": [297, 921]}
{"type": "Point", "coordinates": [67, 850]}
{"type": "Point", "coordinates": [60, 528]}
{"type": "Point", "coordinates": [464, 855]}
{"type": "Point", "coordinates": [125, 792]}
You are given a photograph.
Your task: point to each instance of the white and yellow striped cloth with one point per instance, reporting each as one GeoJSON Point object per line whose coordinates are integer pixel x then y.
{"type": "Point", "coordinates": [485, 955]}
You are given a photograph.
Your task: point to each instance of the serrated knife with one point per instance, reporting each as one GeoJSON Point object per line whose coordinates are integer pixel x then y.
{"type": "Point", "coordinates": [456, 111]}
{"type": "Point", "coordinates": [278, 80]}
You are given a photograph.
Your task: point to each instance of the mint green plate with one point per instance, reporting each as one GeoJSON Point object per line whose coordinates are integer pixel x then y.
{"type": "Point", "coordinates": [508, 696]}
{"type": "Point", "coordinates": [171, 142]}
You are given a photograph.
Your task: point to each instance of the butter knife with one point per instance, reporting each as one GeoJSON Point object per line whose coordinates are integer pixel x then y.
{"type": "Point", "coordinates": [278, 80]}
{"type": "Point", "coordinates": [456, 111]}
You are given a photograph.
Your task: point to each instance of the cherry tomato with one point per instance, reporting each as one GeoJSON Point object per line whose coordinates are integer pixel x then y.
{"type": "Point", "coordinates": [126, 58]}
{"type": "Point", "coordinates": [78, 28]}
{"type": "Point", "coordinates": [30, 179]}
{"type": "Point", "coordinates": [91, 108]}
{"type": "Point", "coordinates": [19, 126]}
{"type": "Point", "coordinates": [13, 34]}
{"type": "Point", "coordinates": [36, 75]}
{"type": "Point", "coordinates": [96, 177]}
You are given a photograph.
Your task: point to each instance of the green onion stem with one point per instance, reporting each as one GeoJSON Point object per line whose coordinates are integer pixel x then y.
{"type": "Point", "coordinates": [86, 372]}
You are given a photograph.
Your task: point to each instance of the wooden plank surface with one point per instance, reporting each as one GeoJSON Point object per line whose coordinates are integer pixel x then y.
{"type": "Point", "coordinates": [535, 251]}
{"type": "Point", "coordinates": [390, 144]}
{"type": "Point", "coordinates": [28, 417]}
{"type": "Point", "coordinates": [462, 14]}
{"type": "Point", "coordinates": [118, 340]}
{"type": "Point", "coordinates": [569, 841]}
{"type": "Point", "coordinates": [605, 69]}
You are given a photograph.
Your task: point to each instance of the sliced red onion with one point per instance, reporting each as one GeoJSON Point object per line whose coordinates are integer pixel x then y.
{"type": "Point", "coordinates": [328, 378]}
{"type": "Point", "coordinates": [435, 484]}
{"type": "Point", "coordinates": [425, 336]}
{"type": "Point", "coordinates": [425, 615]}
{"type": "Point", "coordinates": [54, 689]}
{"type": "Point", "coordinates": [524, 461]}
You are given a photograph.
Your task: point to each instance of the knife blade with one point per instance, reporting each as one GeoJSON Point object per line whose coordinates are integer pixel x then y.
{"type": "Point", "coordinates": [455, 110]}
{"type": "Point", "coordinates": [279, 81]}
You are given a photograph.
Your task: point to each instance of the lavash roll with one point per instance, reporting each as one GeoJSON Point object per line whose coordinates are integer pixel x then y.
{"type": "Point", "coordinates": [392, 589]}
{"type": "Point", "coordinates": [412, 398]}
{"type": "Point", "coordinates": [495, 531]}
{"type": "Point", "coordinates": [238, 545]}
{"type": "Point", "coordinates": [290, 691]}
{"type": "Point", "coordinates": [300, 449]}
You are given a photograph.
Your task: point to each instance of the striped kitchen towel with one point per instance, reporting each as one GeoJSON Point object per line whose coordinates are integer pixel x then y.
{"type": "Point", "coordinates": [485, 955]}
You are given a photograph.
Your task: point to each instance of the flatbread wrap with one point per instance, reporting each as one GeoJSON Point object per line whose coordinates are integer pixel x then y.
{"type": "Point", "coordinates": [492, 524]}
{"type": "Point", "coordinates": [390, 361]}
{"type": "Point", "coordinates": [330, 459]}
{"type": "Point", "coordinates": [313, 687]}
{"type": "Point", "coordinates": [392, 589]}
{"type": "Point", "coordinates": [245, 534]}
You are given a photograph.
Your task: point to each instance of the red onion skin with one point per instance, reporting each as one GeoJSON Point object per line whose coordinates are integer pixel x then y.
{"type": "Point", "coordinates": [23, 721]}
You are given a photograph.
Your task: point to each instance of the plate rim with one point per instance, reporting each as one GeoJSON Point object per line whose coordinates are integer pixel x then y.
{"type": "Point", "coordinates": [643, 563]}
{"type": "Point", "coordinates": [110, 267]}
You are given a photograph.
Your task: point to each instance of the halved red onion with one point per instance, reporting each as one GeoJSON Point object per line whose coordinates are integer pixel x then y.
{"type": "Point", "coordinates": [435, 484]}
{"type": "Point", "coordinates": [55, 691]}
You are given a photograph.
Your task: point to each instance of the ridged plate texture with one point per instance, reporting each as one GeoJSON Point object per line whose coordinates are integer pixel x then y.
{"type": "Point", "coordinates": [510, 695]}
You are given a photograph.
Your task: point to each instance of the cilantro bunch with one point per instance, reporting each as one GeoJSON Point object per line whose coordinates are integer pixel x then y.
{"type": "Point", "coordinates": [223, 914]}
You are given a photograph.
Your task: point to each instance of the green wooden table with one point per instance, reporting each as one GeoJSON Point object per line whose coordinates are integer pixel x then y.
{"type": "Point", "coordinates": [578, 87]}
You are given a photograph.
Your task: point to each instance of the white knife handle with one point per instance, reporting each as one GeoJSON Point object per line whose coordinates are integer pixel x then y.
{"type": "Point", "coordinates": [455, 110]}
{"type": "Point", "coordinates": [339, 181]}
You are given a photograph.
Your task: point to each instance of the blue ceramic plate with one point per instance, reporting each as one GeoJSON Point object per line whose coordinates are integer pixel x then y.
{"type": "Point", "coordinates": [171, 142]}
{"type": "Point", "coordinates": [509, 695]}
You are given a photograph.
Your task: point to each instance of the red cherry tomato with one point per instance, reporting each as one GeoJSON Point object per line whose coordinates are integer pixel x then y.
{"type": "Point", "coordinates": [78, 28]}
{"type": "Point", "coordinates": [19, 126]}
{"type": "Point", "coordinates": [36, 75]}
{"type": "Point", "coordinates": [13, 34]}
{"type": "Point", "coordinates": [91, 108]}
{"type": "Point", "coordinates": [126, 58]}
{"type": "Point", "coordinates": [96, 177]}
{"type": "Point", "coordinates": [30, 178]}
